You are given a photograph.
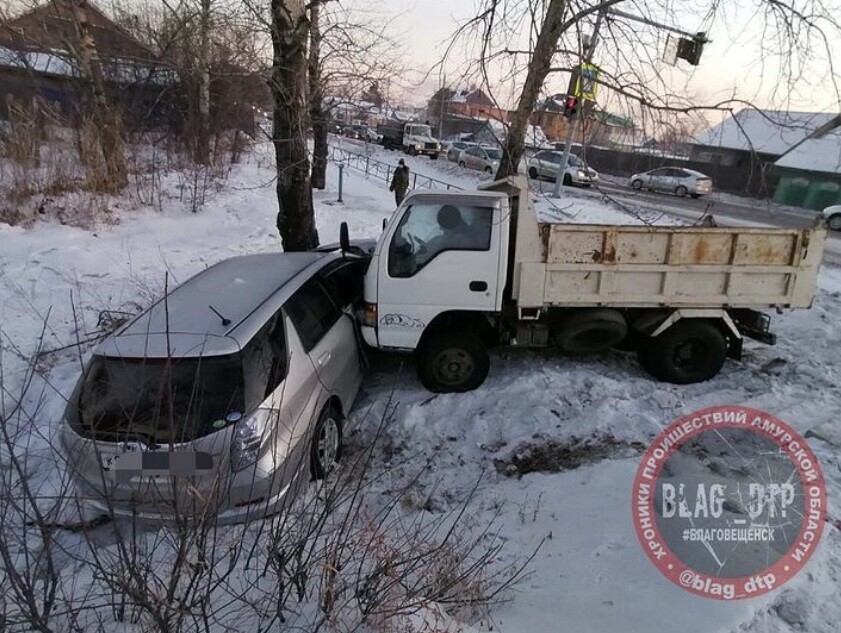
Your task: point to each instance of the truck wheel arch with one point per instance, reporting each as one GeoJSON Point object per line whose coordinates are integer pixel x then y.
{"type": "Point", "coordinates": [461, 320]}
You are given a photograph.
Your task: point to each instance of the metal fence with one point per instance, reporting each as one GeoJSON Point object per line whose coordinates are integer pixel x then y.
{"type": "Point", "coordinates": [382, 171]}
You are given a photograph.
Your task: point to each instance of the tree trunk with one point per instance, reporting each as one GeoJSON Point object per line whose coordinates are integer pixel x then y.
{"type": "Point", "coordinates": [106, 121]}
{"type": "Point", "coordinates": [317, 114]}
{"type": "Point", "coordinates": [547, 42]}
{"type": "Point", "coordinates": [290, 33]}
{"type": "Point", "coordinates": [202, 141]}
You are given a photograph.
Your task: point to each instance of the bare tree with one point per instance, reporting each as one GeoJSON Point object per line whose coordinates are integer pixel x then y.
{"type": "Point", "coordinates": [511, 39]}
{"type": "Point", "coordinates": [290, 38]}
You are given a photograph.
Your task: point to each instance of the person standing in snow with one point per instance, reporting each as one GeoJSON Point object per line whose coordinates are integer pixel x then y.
{"type": "Point", "coordinates": [400, 181]}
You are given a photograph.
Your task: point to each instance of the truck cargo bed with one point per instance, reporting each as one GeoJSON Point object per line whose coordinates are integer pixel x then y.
{"type": "Point", "coordinates": [644, 266]}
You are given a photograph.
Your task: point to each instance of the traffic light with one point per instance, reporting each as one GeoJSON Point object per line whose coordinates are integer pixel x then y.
{"type": "Point", "coordinates": [690, 49]}
{"type": "Point", "coordinates": [570, 106]}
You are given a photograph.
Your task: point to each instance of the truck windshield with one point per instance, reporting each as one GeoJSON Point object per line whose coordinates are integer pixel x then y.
{"type": "Point", "coordinates": [427, 230]}
{"type": "Point", "coordinates": [159, 400]}
{"type": "Point", "coordinates": [419, 130]}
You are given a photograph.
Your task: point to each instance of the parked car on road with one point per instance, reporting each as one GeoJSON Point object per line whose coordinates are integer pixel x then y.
{"type": "Point", "coordinates": [225, 396]}
{"type": "Point", "coordinates": [361, 132]}
{"type": "Point", "coordinates": [678, 180]}
{"type": "Point", "coordinates": [455, 149]}
{"type": "Point", "coordinates": [833, 217]}
{"type": "Point", "coordinates": [481, 157]}
{"type": "Point", "coordinates": [544, 164]}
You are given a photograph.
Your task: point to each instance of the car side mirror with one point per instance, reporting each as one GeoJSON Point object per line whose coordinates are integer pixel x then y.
{"type": "Point", "coordinates": [344, 238]}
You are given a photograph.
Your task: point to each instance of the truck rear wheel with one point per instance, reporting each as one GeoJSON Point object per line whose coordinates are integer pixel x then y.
{"type": "Point", "coordinates": [453, 362]}
{"type": "Point", "coordinates": [590, 331]}
{"type": "Point", "coordinates": [690, 351]}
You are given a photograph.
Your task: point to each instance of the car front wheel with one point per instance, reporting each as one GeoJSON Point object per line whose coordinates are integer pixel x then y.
{"type": "Point", "coordinates": [637, 184]}
{"type": "Point", "coordinates": [834, 222]}
{"type": "Point", "coordinates": [326, 448]}
{"type": "Point", "coordinates": [681, 191]}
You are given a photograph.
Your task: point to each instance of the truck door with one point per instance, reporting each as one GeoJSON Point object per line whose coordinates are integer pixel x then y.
{"type": "Point", "coordinates": [440, 257]}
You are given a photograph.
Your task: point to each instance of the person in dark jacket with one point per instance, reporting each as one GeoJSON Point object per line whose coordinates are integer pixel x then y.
{"type": "Point", "coordinates": [400, 182]}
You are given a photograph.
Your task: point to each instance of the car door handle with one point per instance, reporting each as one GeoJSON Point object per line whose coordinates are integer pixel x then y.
{"type": "Point", "coordinates": [324, 358]}
{"type": "Point", "coordinates": [478, 286]}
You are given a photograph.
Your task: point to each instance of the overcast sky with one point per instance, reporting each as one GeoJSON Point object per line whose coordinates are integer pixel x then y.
{"type": "Point", "coordinates": [732, 64]}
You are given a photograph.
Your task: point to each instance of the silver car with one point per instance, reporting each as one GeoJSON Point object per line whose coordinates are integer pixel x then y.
{"type": "Point", "coordinates": [223, 397]}
{"type": "Point", "coordinates": [481, 157]}
{"type": "Point", "coordinates": [544, 164]}
{"type": "Point", "coordinates": [455, 148]}
{"type": "Point", "coordinates": [679, 180]}
{"type": "Point", "coordinates": [833, 217]}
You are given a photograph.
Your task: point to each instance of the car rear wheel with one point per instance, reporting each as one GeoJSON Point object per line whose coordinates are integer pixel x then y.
{"type": "Point", "coordinates": [326, 449]}
{"type": "Point", "coordinates": [461, 163]}
{"type": "Point", "coordinates": [690, 351]}
{"type": "Point", "coordinates": [681, 191]}
{"type": "Point", "coordinates": [489, 170]}
{"type": "Point", "coordinates": [834, 222]}
{"type": "Point", "coordinates": [637, 184]}
{"type": "Point", "coordinates": [453, 362]}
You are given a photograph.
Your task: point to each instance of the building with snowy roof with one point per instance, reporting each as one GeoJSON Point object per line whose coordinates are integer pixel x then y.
{"type": "Point", "coordinates": [810, 172]}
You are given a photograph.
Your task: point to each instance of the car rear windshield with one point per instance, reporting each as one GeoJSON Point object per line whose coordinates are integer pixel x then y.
{"type": "Point", "coordinates": [159, 401]}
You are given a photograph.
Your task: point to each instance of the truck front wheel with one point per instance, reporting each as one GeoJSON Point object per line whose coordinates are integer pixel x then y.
{"type": "Point", "coordinates": [453, 362]}
{"type": "Point", "coordinates": [690, 351]}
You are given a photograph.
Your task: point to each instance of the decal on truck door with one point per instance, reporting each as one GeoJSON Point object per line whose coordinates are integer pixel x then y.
{"type": "Point", "coordinates": [401, 320]}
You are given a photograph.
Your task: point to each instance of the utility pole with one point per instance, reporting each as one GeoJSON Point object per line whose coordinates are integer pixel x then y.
{"type": "Point", "coordinates": [573, 121]}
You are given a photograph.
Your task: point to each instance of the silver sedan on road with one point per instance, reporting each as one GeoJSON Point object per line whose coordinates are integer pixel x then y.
{"type": "Point", "coordinates": [481, 157]}
{"type": "Point", "coordinates": [225, 396]}
{"type": "Point", "coordinates": [678, 180]}
{"type": "Point", "coordinates": [833, 217]}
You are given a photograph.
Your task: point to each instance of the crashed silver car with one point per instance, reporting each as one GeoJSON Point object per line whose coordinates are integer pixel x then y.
{"type": "Point", "coordinates": [223, 397]}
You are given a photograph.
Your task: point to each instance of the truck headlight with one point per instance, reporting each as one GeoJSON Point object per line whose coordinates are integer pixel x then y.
{"type": "Point", "coordinates": [250, 435]}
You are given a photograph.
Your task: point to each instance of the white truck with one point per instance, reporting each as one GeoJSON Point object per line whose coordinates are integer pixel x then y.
{"type": "Point", "coordinates": [456, 273]}
{"type": "Point", "coordinates": [418, 141]}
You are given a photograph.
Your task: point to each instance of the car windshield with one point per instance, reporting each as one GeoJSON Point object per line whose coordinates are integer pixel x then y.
{"type": "Point", "coordinates": [575, 161]}
{"type": "Point", "coordinates": [494, 153]}
{"type": "Point", "coordinates": [159, 401]}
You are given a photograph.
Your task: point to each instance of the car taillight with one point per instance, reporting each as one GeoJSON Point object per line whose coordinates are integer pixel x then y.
{"type": "Point", "coordinates": [368, 314]}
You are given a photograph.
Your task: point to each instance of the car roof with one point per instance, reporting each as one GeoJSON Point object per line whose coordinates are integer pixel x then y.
{"type": "Point", "coordinates": [239, 288]}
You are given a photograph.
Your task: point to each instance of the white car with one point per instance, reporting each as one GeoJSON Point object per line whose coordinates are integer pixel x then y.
{"type": "Point", "coordinates": [544, 164]}
{"type": "Point", "coordinates": [833, 217]}
{"type": "Point", "coordinates": [679, 180]}
{"type": "Point", "coordinates": [483, 158]}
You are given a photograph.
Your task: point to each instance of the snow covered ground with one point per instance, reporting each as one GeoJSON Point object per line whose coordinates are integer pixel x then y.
{"type": "Point", "coordinates": [589, 574]}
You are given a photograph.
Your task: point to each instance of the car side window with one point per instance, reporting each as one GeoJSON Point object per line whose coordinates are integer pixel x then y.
{"type": "Point", "coordinates": [264, 362]}
{"type": "Point", "coordinates": [345, 281]}
{"type": "Point", "coordinates": [312, 312]}
{"type": "Point", "coordinates": [427, 230]}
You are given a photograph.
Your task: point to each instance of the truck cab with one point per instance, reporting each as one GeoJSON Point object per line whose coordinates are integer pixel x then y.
{"type": "Point", "coordinates": [418, 141]}
{"type": "Point", "coordinates": [441, 252]}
